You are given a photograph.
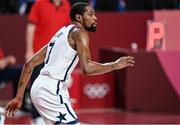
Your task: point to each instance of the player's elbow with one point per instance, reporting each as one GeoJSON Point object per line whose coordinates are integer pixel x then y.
{"type": "Point", "coordinates": [84, 71]}
{"type": "Point", "coordinates": [87, 70]}
{"type": "Point", "coordinates": [28, 65]}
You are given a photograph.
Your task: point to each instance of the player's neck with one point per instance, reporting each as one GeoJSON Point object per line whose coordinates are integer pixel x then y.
{"type": "Point", "coordinates": [79, 25]}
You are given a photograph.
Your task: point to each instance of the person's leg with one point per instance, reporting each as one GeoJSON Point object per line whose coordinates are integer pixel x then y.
{"type": "Point", "coordinates": [11, 74]}
{"type": "Point", "coordinates": [1, 76]}
{"type": "Point", "coordinates": [54, 108]}
{"type": "Point", "coordinates": [55, 113]}
{"type": "Point", "coordinates": [2, 117]}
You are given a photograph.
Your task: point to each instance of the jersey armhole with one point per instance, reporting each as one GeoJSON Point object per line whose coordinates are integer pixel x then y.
{"type": "Point", "coordinates": [74, 27]}
{"type": "Point", "coordinates": [71, 29]}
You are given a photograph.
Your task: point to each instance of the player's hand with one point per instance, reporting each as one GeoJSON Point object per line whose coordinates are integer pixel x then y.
{"type": "Point", "coordinates": [124, 62]}
{"type": "Point", "coordinates": [11, 60]}
{"type": "Point", "coordinates": [3, 64]}
{"type": "Point", "coordinates": [12, 107]}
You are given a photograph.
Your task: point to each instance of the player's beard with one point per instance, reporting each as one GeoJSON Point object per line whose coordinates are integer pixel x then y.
{"type": "Point", "coordinates": [92, 28]}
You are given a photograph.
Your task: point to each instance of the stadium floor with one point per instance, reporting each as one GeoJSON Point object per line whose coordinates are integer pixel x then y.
{"type": "Point", "coordinates": [111, 116]}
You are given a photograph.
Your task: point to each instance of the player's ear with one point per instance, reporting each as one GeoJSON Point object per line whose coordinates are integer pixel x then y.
{"type": "Point", "coordinates": [78, 17]}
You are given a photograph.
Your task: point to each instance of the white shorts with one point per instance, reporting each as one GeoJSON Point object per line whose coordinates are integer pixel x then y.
{"type": "Point", "coordinates": [51, 99]}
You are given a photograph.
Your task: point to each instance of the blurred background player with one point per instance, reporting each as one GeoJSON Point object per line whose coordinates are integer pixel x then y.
{"type": "Point", "coordinates": [9, 72]}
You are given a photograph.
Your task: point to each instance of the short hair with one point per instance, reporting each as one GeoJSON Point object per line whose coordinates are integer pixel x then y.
{"type": "Point", "coordinates": [77, 8]}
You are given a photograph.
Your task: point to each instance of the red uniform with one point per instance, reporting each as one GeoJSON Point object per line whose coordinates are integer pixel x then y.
{"type": "Point", "coordinates": [48, 19]}
{"type": "Point", "coordinates": [1, 53]}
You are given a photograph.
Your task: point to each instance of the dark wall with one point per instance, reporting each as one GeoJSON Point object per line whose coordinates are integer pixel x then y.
{"type": "Point", "coordinates": [120, 30]}
{"type": "Point", "coordinates": [106, 5]}
{"type": "Point", "coordinates": [12, 35]}
{"type": "Point", "coordinates": [136, 5]}
{"type": "Point", "coordinates": [149, 85]}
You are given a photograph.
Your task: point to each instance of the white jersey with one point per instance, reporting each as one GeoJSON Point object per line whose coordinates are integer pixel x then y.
{"type": "Point", "coordinates": [61, 58]}
{"type": "Point", "coordinates": [49, 91]}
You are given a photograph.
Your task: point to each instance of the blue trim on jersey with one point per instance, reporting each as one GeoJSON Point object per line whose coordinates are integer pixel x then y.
{"type": "Point", "coordinates": [69, 111]}
{"type": "Point", "coordinates": [70, 123]}
{"type": "Point", "coordinates": [61, 99]}
{"type": "Point", "coordinates": [57, 91]}
{"type": "Point", "coordinates": [69, 67]}
{"type": "Point", "coordinates": [73, 122]}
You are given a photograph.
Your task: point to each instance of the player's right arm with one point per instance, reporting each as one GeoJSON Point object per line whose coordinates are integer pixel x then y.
{"type": "Point", "coordinates": [90, 67]}
{"type": "Point", "coordinates": [28, 67]}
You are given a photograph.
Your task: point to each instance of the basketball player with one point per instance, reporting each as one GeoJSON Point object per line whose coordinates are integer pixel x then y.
{"type": "Point", "coordinates": [49, 92]}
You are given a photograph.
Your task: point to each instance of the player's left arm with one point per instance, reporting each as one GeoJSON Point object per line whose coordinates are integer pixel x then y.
{"type": "Point", "coordinates": [28, 67]}
{"type": "Point", "coordinates": [90, 67]}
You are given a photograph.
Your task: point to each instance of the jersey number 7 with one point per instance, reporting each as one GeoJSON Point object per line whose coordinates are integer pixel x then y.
{"type": "Point", "coordinates": [51, 45]}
